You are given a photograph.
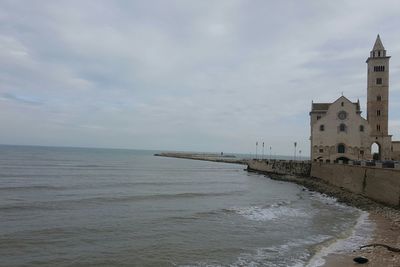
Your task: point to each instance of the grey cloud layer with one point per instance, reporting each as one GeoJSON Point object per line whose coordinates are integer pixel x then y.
{"type": "Point", "coordinates": [189, 75]}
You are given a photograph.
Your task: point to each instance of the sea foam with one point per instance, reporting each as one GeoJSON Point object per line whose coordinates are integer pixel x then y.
{"type": "Point", "coordinates": [269, 212]}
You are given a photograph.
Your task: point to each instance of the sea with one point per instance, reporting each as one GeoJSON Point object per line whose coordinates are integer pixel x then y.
{"type": "Point", "coordinates": [120, 207]}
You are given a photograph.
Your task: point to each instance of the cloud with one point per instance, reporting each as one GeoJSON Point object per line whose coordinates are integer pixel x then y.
{"type": "Point", "coordinates": [183, 75]}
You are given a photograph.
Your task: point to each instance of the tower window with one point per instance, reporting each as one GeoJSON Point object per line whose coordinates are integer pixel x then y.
{"type": "Point", "coordinates": [379, 68]}
{"type": "Point", "coordinates": [341, 148]}
{"type": "Point", "coordinates": [378, 112]}
{"type": "Point", "coordinates": [321, 150]}
{"type": "Point", "coordinates": [361, 128]}
{"type": "Point", "coordinates": [322, 127]}
{"type": "Point", "coordinates": [318, 117]}
{"type": "Point", "coordinates": [342, 104]}
{"type": "Point", "coordinates": [378, 127]}
{"type": "Point", "coordinates": [378, 80]}
{"type": "Point", "coordinates": [342, 127]}
{"type": "Point", "coordinates": [378, 98]}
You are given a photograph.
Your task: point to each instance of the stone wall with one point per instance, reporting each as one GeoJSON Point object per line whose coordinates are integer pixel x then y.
{"type": "Point", "coordinates": [379, 184]}
{"type": "Point", "coordinates": [300, 168]}
{"type": "Point", "coordinates": [374, 182]}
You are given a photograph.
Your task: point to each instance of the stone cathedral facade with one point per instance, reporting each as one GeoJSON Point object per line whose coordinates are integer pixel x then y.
{"type": "Point", "coordinates": [339, 132]}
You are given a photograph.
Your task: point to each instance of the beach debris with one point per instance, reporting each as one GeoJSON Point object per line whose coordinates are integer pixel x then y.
{"type": "Point", "coordinates": [393, 249]}
{"type": "Point", "coordinates": [360, 260]}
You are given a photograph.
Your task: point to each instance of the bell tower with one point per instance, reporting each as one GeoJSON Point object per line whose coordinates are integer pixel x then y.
{"type": "Point", "coordinates": [378, 98]}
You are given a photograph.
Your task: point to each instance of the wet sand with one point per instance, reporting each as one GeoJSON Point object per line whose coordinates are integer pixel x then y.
{"type": "Point", "coordinates": [387, 231]}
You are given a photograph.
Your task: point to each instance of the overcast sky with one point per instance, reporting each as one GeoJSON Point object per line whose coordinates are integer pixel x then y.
{"type": "Point", "coordinates": [185, 75]}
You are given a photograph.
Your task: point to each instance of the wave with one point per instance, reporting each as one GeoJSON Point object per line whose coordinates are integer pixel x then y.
{"type": "Point", "coordinates": [31, 187]}
{"type": "Point", "coordinates": [274, 256]}
{"type": "Point", "coordinates": [328, 200]}
{"type": "Point", "coordinates": [59, 204]}
{"type": "Point", "coordinates": [269, 212]}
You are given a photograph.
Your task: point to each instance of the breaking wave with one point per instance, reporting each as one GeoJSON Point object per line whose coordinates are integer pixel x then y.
{"type": "Point", "coordinates": [269, 212]}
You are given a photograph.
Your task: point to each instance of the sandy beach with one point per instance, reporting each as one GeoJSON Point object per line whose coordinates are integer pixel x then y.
{"type": "Point", "coordinates": [387, 231]}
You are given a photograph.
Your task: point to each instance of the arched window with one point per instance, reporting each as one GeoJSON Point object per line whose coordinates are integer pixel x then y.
{"type": "Point", "coordinates": [378, 98]}
{"type": "Point", "coordinates": [322, 127]}
{"type": "Point", "coordinates": [341, 148]}
{"type": "Point", "coordinates": [376, 151]}
{"type": "Point", "coordinates": [361, 128]}
{"type": "Point", "coordinates": [342, 127]}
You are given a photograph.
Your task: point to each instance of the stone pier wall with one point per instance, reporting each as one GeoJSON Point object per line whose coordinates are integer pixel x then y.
{"type": "Point", "coordinates": [299, 168]}
{"type": "Point", "coordinates": [377, 183]}
{"type": "Point", "coordinates": [374, 182]}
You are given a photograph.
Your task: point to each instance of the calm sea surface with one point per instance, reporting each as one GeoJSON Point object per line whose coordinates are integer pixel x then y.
{"type": "Point", "coordinates": [104, 207]}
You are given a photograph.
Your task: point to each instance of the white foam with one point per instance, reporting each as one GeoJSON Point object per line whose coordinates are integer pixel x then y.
{"type": "Point", "coordinates": [273, 212]}
{"type": "Point", "coordinates": [262, 256]}
{"type": "Point", "coordinates": [329, 200]}
{"type": "Point", "coordinates": [360, 235]}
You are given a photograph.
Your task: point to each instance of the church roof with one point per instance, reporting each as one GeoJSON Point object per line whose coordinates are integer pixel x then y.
{"type": "Point", "coordinates": [320, 106]}
{"type": "Point", "coordinates": [325, 106]}
{"type": "Point", "coordinates": [378, 44]}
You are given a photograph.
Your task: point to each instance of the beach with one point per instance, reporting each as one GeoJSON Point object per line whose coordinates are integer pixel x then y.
{"type": "Point", "coordinates": [386, 232]}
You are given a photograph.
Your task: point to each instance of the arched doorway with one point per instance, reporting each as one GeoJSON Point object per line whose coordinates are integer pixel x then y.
{"type": "Point", "coordinates": [344, 159]}
{"type": "Point", "coordinates": [376, 151]}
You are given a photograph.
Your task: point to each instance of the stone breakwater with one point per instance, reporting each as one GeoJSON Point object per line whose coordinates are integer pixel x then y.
{"type": "Point", "coordinates": [204, 156]}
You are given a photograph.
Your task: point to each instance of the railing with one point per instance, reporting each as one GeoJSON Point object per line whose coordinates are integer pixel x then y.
{"type": "Point", "coordinates": [364, 163]}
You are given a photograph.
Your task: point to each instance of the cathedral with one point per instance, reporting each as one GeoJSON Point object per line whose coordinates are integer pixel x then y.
{"type": "Point", "coordinates": [339, 132]}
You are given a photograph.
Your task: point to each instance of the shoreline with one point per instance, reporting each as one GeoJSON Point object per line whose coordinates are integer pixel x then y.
{"type": "Point", "coordinates": [386, 220]}
{"type": "Point", "coordinates": [384, 232]}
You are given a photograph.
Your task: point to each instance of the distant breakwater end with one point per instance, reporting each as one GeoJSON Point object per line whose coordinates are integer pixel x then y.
{"type": "Point", "coordinates": [204, 156]}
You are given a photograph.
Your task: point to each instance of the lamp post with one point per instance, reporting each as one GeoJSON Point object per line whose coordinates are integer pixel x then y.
{"type": "Point", "coordinates": [270, 152]}
{"type": "Point", "coordinates": [263, 152]}
{"type": "Point", "coordinates": [256, 149]}
{"type": "Point", "coordinates": [295, 145]}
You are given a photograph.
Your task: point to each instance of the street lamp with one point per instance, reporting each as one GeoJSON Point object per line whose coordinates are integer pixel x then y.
{"type": "Point", "coordinates": [256, 149]}
{"type": "Point", "coordinates": [263, 152]}
{"type": "Point", "coordinates": [270, 152]}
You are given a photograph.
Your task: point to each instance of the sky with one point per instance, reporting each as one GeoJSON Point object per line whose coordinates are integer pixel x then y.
{"type": "Point", "coordinates": [185, 75]}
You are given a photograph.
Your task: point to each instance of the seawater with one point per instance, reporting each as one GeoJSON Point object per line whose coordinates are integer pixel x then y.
{"type": "Point", "coordinates": [107, 207]}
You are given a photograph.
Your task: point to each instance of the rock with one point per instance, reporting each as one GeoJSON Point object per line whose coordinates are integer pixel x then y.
{"type": "Point", "coordinates": [360, 260]}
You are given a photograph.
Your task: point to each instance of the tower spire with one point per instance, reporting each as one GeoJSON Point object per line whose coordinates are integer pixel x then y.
{"type": "Point", "coordinates": [378, 44]}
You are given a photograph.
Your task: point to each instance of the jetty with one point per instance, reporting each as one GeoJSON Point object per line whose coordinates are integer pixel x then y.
{"type": "Point", "coordinates": [205, 156]}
